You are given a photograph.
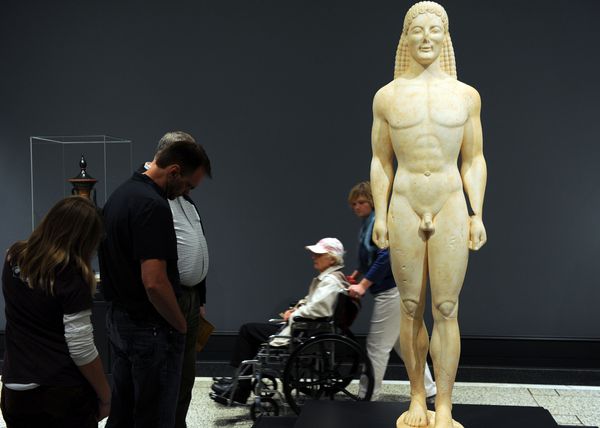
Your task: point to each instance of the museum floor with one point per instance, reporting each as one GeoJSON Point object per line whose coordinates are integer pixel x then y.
{"type": "Point", "coordinates": [569, 405]}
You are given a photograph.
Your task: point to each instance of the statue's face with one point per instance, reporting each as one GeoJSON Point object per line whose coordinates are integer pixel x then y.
{"type": "Point", "coordinates": [425, 37]}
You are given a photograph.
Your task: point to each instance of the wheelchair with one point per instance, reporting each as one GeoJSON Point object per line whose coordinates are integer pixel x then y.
{"type": "Point", "coordinates": [320, 362]}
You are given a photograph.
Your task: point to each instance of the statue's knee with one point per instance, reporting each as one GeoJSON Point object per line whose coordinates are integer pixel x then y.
{"type": "Point", "coordinates": [447, 309]}
{"type": "Point", "coordinates": [410, 307]}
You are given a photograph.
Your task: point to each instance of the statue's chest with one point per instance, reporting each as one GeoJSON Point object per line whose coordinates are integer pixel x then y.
{"type": "Point", "coordinates": [425, 104]}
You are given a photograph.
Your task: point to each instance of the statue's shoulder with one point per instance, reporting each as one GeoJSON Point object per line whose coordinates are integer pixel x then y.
{"type": "Point", "coordinates": [468, 91]}
{"type": "Point", "coordinates": [389, 91]}
{"type": "Point", "coordinates": [386, 90]}
{"type": "Point", "coordinates": [383, 95]}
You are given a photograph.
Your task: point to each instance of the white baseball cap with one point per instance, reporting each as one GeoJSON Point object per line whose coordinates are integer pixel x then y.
{"type": "Point", "coordinates": [327, 245]}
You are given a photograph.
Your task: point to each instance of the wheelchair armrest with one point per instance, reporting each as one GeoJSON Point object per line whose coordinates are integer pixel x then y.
{"type": "Point", "coordinates": [276, 320]}
{"type": "Point", "coordinates": [278, 336]}
{"type": "Point", "coordinates": [303, 319]}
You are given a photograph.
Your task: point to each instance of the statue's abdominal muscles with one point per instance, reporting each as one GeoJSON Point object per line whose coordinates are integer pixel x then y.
{"type": "Point", "coordinates": [426, 130]}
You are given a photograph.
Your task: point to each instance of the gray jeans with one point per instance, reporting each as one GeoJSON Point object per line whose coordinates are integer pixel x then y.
{"type": "Point", "coordinates": [383, 336]}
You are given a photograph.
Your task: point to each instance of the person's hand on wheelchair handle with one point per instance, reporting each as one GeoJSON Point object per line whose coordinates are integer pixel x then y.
{"type": "Point", "coordinates": [357, 290]}
{"type": "Point", "coordinates": [352, 279]}
{"type": "Point", "coordinates": [287, 314]}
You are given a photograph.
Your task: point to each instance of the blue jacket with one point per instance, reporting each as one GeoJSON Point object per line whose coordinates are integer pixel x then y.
{"type": "Point", "coordinates": [374, 263]}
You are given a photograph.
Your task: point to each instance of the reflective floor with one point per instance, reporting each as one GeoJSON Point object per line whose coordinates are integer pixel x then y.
{"type": "Point", "coordinates": [569, 405]}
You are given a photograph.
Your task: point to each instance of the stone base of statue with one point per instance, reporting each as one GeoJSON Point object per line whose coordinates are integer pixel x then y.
{"type": "Point", "coordinates": [430, 417]}
{"type": "Point", "coordinates": [362, 414]}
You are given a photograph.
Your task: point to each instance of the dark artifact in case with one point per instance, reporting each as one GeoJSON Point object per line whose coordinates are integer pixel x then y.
{"type": "Point", "coordinates": [83, 183]}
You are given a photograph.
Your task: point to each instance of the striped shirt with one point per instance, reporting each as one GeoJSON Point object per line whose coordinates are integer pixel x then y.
{"type": "Point", "coordinates": [192, 250]}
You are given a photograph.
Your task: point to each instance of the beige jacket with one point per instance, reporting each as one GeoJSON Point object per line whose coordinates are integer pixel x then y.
{"type": "Point", "coordinates": [320, 301]}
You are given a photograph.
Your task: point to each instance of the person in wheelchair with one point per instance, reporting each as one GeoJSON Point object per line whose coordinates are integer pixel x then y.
{"type": "Point", "coordinates": [328, 260]}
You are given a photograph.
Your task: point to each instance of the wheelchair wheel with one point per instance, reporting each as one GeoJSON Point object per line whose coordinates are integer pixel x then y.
{"type": "Point", "coordinates": [324, 367]}
{"type": "Point", "coordinates": [268, 386]}
{"type": "Point", "coordinates": [266, 406]}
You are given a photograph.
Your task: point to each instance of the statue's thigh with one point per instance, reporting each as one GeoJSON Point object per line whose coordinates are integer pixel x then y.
{"type": "Point", "coordinates": [448, 250]}
{"type": "Point", "coordinates": [407, 249]}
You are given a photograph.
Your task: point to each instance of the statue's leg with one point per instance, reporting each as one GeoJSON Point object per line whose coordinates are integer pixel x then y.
{"type": "Point", "coordinates": [409, 264]}
{"type": "Point", "coordinates": [447, 255]}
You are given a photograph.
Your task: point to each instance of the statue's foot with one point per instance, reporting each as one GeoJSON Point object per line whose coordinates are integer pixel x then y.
{"type": "Point", "coordinates": [433, 422]}
{"type": "Point", "coordinates": [416, 416]}
{"type": "Point", "coordinates": [444, 424]}
{"type": "Point", "coordinates": [442, 418]}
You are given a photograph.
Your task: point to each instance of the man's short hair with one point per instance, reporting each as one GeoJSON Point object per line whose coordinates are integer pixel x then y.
{"type": "Point", "coordinates": [178, 147]}
{"type": "Point", "coordinates": [362, 189]}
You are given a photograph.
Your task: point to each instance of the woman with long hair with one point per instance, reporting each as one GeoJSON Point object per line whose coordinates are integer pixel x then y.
{"type": "Point", "coordinates": [52, 375]}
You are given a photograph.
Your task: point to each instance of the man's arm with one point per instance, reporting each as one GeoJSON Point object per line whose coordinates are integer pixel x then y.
{"type": "Point", "coordinates": [473, 169]}
{"type": "Point", "coordinates": [160, 293]}
{"type": "Point", "coordinates": [382, 168]}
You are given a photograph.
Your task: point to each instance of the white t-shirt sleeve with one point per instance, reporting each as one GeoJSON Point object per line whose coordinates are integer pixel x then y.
{"type": "Point", "coordinates": [79, 335]}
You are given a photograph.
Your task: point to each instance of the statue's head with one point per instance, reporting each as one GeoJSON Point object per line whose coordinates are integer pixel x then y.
{"type": "Point", "coordinates": [425, 38]}
{"type": "Point", "coordinates": [425, 7]}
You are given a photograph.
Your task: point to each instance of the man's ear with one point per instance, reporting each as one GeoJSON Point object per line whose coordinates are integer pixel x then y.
{"type": "Point", "coordinates": [173, 169]}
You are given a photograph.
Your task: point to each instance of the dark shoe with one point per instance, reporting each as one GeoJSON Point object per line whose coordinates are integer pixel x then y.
{"type": "Point", "coordinates": [223, 379]}
{"type": "Point", "coordinates": [217, 398]}
{"type": "Point", "coordinates": [222, 393]}
{"type": "Point", "coordinates": [221, 388]}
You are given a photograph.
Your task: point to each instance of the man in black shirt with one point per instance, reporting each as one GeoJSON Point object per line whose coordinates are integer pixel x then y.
{"type": "Point", "coordinates": [140, 280]}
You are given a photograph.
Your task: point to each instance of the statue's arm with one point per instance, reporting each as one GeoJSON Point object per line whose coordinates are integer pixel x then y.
{"type": "Point", "coordinates": [473, 169]}
{"type": "Point", "coordinates": [382, 168]}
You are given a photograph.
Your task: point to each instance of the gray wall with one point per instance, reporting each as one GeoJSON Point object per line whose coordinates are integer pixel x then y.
{"type": "Point", "coordinates": [280, 93]}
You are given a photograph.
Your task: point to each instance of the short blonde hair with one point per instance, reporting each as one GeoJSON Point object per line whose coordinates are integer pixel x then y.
{"type": "Point", "coordinates": [361, 189]}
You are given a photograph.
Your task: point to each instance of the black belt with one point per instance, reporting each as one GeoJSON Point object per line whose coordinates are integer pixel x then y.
{"type": "Point", "coordinates": [142, 312]}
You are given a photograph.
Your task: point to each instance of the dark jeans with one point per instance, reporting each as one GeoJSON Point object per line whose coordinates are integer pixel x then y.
{"type": "Point", "coordinates": [146, 369]}
{"type": "Point", "coordinates": [50, 407]}
{"type": "Point", "coordinates": [189, 302]}
{"type": "Point", "coordinates": [250, 337]}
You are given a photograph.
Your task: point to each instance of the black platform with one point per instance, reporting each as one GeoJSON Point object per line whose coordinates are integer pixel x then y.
{"type": "Point", "coordinates": [332, 414]}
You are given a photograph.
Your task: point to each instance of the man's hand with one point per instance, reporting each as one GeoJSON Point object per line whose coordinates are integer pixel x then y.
{"type": "Point", "coordinates": [160, 293]}
{"type": "Point", "coordinates": [477, 234]}
{"type": "Point", "coordinates": [380, 234]}
{"type": "Point", "coordinates": [103, 410]}
{"type": "Point", "coordinates": [287, 314]}
{"type": "Point", "coordinates": [357, 290]}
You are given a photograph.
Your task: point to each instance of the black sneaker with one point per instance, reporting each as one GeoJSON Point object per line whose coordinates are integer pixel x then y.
{"type": "Point", "coordinates": [221, 388]}
{"type": "Point", "coordinates": [221, 393]}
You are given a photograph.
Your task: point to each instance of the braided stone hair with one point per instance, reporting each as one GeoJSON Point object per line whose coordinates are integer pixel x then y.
{"type": "Point", "coordinates": [447, 60]}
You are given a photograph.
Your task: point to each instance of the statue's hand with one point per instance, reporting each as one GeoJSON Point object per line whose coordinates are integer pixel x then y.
{"type": "Point", "coordinates": [477, 234]}
{"type": "Point", "coordinates": [380, 234]}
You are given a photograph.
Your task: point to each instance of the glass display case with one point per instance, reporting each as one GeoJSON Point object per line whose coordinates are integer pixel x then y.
{"type": "Point", "coordinates": [93, 165]}
{"type": "Point", "coordinates": [59, 164]}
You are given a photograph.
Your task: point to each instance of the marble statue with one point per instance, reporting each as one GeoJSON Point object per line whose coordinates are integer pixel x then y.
{"type": "Point", "coordinates": [425, 118]}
